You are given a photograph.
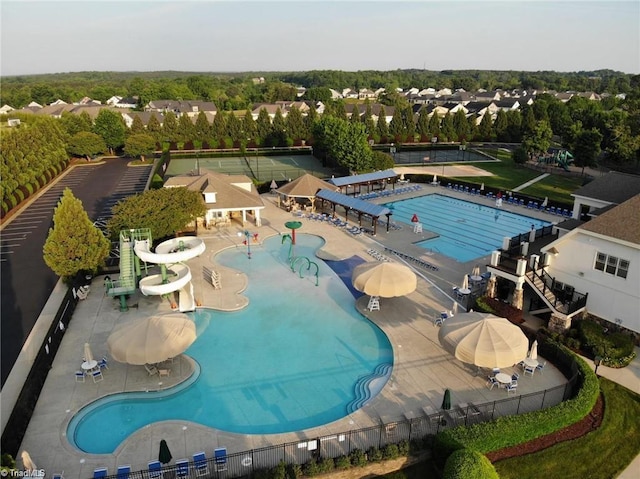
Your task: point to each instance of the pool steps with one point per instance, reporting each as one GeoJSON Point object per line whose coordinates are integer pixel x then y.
{"type": "Point", "coordinates": [369, 386]}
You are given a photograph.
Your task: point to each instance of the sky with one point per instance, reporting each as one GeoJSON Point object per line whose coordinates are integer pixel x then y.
{"type": "Point", "coordinates": [238, 36]}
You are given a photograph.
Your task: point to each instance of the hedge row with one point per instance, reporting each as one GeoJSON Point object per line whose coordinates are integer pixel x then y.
{"type": "Point", "coordinates": [468, 464]}
{"type": "Point", "coordinates": [23, 192]}
{"type": "Point", "coordinates": [513, 430]}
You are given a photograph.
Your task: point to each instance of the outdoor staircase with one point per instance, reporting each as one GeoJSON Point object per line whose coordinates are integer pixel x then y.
{"type": "Point", "coordinates": [369, 386]}
{"type": "Point", "coordinates": [212, 277]}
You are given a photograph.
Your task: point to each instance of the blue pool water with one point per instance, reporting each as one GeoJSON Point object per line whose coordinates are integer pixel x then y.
{"type": "Point", "coordinates": [466, 230]}
{"type": "Point", "coordinates": [292, 360]}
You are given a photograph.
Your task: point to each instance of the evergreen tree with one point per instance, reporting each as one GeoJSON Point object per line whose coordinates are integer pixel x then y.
{"type": "Point", "coordinates": [448, 131]}
{"type": "Point", "coordinates": [263, 125]}
{"type": "Point", "coordinates": [423, 125]}
{"type": "Point", "coordinates": [73, 124]}
{"type": "Point", "coordinates": [339, 110]}
{"type": "Point", "coordinates": [500, 126]}
{"type": "Point", "coordinates": [409, 124]}
{"type": "Point", "coordinates": [538, 141]}
{"type": "Point", "coordinates": [155, 129]}
{"type": "Point", "coordinates": [369, 124]}
{"type": "Point", "coordinates": [434, 126]}
{"type": "Point", "coordinates": [202, 130]}
{"type": "Point", "coordinates": [355, 114]}
{"type": "Point", "coordinates": [346, 143]}
{"type": "Point", "coordinates": [186, 128]}
{"type": "Point", "coordinates": [137, 126]}
{"type": "Point", "coordinates": [528, 121]}
{"type": "Point", "coordinates": [514, 126]}
{"type": "Point", "coordinates": [74, 244]}
{"type": "Point", "coordinates": [110, 126]}
{"type": "Point", "coordinates": [309, 121]}
{"type": "Point", "coordinates": [234, 128]}
{"type": "Point", "coordinates": [485, 130]}
{"type": "Point", "coordinates": [461, 126]}
{"type": "Point", "coordinates": [473, 127]}
{"type": "Point", "coordinates": [382, 128]}
{"type": "Point", "coordinates": [249, 125]}
{"type": "Point", "coordinates": [278, 126]}
{"type": "Point", "coordinates": [170, 127]}
{"type": "Point", "coordinates": [219, 127]}
{"type": "Point", "coordinates": [396, 126]}
{"type": "Point", "coordinates": [295, 124]}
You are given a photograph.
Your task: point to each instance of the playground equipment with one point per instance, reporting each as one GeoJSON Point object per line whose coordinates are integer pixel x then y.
{"type": "Point", "coordinates": [170, 255]}
{"type": "Point", "coordinates": [561, 158]}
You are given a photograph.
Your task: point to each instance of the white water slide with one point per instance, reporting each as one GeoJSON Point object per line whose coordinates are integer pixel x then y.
{"type": "Point", "coordinates": [178, 278]}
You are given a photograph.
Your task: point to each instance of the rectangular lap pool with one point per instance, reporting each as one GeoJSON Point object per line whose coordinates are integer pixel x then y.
{"type": "Point", "coordinates": [466, 230]}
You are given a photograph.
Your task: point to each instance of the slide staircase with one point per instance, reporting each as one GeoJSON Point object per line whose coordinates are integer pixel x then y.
{"type": "Point", "coordinates": [126, 283]}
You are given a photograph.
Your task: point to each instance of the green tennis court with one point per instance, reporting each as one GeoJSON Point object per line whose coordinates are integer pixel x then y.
{"type": "Point", "coordinates": [262, 168]}
{"type": "Point", "coordinates": [436, 156]}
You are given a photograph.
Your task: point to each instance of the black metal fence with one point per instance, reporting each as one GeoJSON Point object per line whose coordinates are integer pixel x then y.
{"type": "Point", "coordinates": [249, 463]}
{"type": "Point", "coordinates": [21, 415]}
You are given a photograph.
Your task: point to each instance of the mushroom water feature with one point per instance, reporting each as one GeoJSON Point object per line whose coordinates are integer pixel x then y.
{"type": "Point", "coordinates": [293, 226]}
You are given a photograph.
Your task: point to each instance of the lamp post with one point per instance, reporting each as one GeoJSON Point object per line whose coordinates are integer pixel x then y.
{"type": "Point", "coordinates": [247, 240]}
{"type": "Point", "coordinates": [597, 360]}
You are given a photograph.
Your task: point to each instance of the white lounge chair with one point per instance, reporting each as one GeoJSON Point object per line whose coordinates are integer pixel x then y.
{"type": "Point", "coordinates": [151, 369]}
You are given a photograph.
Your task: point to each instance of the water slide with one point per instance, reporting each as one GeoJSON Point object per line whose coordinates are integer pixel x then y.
{"type": "Point", "coordinates": [175, 275]}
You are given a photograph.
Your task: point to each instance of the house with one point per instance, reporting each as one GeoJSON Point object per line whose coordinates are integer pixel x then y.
{"type": "Point", "coordinates": [455, 107]}
{"type": "Point", "coordinates": [365, 93]}
{"type": "Point", "coordinates": [487, 96]}
{"type": "Point", "coordinates": [589, 95]}
{"type": "Point", "coordinates": [601, 257]}
{"type": "Point", "coordinates": [145, 116]}
{"type": "Point", "coordinates": [271, 109]}
{"type": "Point", "coordinates": [228, 198]}
{"type": "Point", "coordinates": [509, 104]}
{"type": "Point", "coordinates": [349, 93]}
{"type": "Point", "coordinates": [610, 189]}
{"type": "Point", "coordinates": [444, 92]}
{"type": "Point", "coordinates": [461, 97]}
{"type": "Point", "coordinates": [564, 97]}
{"type": "Point", "coordinates": [190, 108]}
{"type": "Point", "coordinates": [113, 100]}
{"type": "Point", "coordinates": [6, 109]}
{"type": "Point", "coordinates": [335, 94]}
{"type": "Point", "coordinates": [129, 102]}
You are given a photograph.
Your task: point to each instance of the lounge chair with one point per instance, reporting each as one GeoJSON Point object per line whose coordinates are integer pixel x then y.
{"type": "Point", "coordinates": [540, 367]}
{"type": "Point", "coordinates": [59, 475]}
{"type": "Point", "coordinates": [512, 389]}
{"type": "Point", "coordinates": [529, 370]}
{"type": "Point", "coordinates": [100, 473]}
{"type": "Point", "coordinates": [103, 364]}
{"type": "Point", "coordinates": [123, 472]}
{"type": "Point", "coordinates": [491, 382]}
{"type": "Point", "coordinates": [80, 376]}
{"type": "Point", "coordinates": [155, 470]}
{"type": "Point", "coordinates": [200, 464]}
{"type": "Point", "coordinates": [220, 455]}
{"type": "Point", "coordinates": [182, 468]}
{"type": "Point", "coordinates": [151, 369]}
{"type": "Point", "coordinates": [97, 376]}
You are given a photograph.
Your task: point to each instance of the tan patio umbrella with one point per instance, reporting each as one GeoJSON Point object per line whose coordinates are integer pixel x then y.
{"type": "Point", "coordinates": [88, 355]}
{"type": "Point", "coordinates": [152, 340]}
{"type": "Point", "coordinates": [533, 353]}
{"type": "Point", "coordinates": [484, 340]}
{"type": "Point", "coordinates": [384, 279]}
{"type": "Point", "coordinates": [27, 462]}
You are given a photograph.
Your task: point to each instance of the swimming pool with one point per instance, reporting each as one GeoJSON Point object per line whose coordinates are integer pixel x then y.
{"type": "Point", "coordinates": [466, 230]}
{"type": "Point", "coordinates": [282, 364]}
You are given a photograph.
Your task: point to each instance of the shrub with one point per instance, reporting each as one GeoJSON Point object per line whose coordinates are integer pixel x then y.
{"type": "Point", "coordinates": [29, 188]}
{"type": "Point", "coordinates": [19, 195]}
{"type": "Point", "coordinates": [342, 462]}
{"type": "Point", "coordinates": [615, 348]}
{"type": "Point", "coordinates": [483, 306]}
{"type": "Point", "coordinates": [12, 201]}
{"type": "Point", "coordinates": [43, 180]}
{"type": "Point", "coordinates": [326, 465]}
{"type": "Point", "coordinates": [311, 468]}
{"type": "Point", "coordinates": [374, 454]}
{"type": "Point", "coordinates": [513, 430]}
{"type": "Point", "coordinates": [279, 472]}
{"type": "Point", "coordinates": [358, 458]}
{"type": "Point", "coordinates": [5, 208]}
{"type": "Point", "coordinates": [404, 448]}
{"type": "Point", "coordinates": [294, 471]}
{"type": "Point", "coordinates": [468, 464]}
{"type": "Point", "coordinates": [156, 182]}
{"type": "Point", "coordinates": [390, 451]}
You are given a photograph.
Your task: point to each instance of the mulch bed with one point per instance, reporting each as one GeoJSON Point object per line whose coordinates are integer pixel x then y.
{"type": "Point", "coordinates": [591, 422]}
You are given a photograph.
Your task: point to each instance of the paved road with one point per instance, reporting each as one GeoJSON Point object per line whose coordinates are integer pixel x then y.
{"type": "Point", "coordinates": [27, 282]}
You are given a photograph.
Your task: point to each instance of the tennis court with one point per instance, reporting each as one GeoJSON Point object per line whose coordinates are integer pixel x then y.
{"type": "Point", "coordinates": [262, 168]}
{"type": "Point", "coordinates": [436, 156]}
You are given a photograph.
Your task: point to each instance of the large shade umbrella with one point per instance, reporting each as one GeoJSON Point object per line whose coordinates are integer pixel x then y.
{"type": "Point", "coordinates": [484, 340]}
{"type": "Point", "coordinates": [384, 279]}
{"type": "Point", "coordinates": [533, 353]}
{"type": "Point", "coordinates": [152, 340]}
{"type": "Point", "coordinates": [88, 355]}
{"type": "Point", "coordinates": [27, 462]}
{"type": "Point", "coordinates": [465, 282]}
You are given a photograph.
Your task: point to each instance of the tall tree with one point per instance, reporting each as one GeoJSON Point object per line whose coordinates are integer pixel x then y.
{"type": "Point", "coordinates": [396, 126]}
{"type": "Point", "coordinates": [166, 211]}
{"type": "Point", "coordinates": [154, 128]}
{"type": "Point", "coordinates": [202, 127]}
{"type": "Point", "coordinates": [587, 147]}
{"type": "Point", "coordinates": [309, 120]}
{"type": "Point", "coordinates": [461, 126]}
{"type": "Point", "coordinates": [539, 140]}
{"type": "Point", "coordinates": [409, 124]}
{"type": "Point", "coordinates": [73, 124]}
{"type": "Point", "coordinates": [263, 124]}
{"type": "Point", "coordinates": [295, 124]}
{"type": "Point", "coordinates": [170, 127]}
{"type": "Point", "coordinates": [249, 125]}
{"type": "Point", "coordinates": [86, 144]}
{"type": "Point", "coordinates": [344, 142]}
{"type": "Point", "coordinates": [381, 126]}
{"type": "Point", "coordinates": [485, 129]}
{"type": "Point", "coordinates": [434, 126]}
{"type": "Point", "coordinates": [186, 128]}
{"type": "Point", "coordinates": [139, 145]}
{"type": "Point", "coordinates": [74, 244]}
{"type": "Point", "coordinates": [137, 126]}
{"type": "Point", "coordinates": [278, 125]}
{"type": "Point", "coordinates": [355, 114]}
{"type": "Point", "coordinates": [110, 126]}
{"type": "Point", "coordinates": [369, 124]}
{"type": "Point", "coordinates": [423, 125]}
{"type": "Point", "coordinates": [219, 127]}
{"type": "Point", "coordinates": [448, 131]}
{"type": "Point", "coordinates": [234, 128]}
{"type": "Point", "coordinates": [500, 126]}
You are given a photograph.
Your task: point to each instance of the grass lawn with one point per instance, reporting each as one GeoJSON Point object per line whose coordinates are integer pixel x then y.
{"type": "Point", "coordinates": [508, 175]}
{"type": "Point", "coordinates": [601, 454]}
{"type": "Point", "coordinates": [422, 470]}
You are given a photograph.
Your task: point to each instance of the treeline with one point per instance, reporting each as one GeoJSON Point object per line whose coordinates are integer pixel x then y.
{"type": "Point", "coordinates": [240, 91]}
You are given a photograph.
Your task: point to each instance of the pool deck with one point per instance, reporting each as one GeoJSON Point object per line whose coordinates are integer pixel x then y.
{"type": "Point", "coordinates": [422, 368]}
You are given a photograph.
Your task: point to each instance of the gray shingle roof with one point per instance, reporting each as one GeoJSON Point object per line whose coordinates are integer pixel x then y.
{"type": "Point", "coordinates": [621, 222]}
{"type": "Point", "coordinates": [613, 187]}
{"type": "Point", "coordinates": [364, 178]}
{"type": "Point", "coordinates": [367, 208]}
